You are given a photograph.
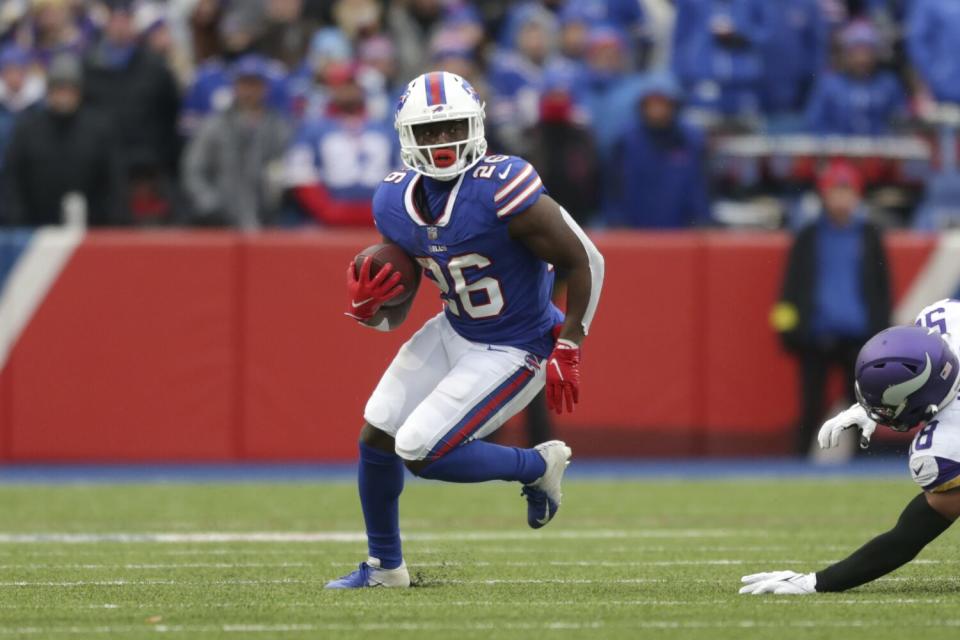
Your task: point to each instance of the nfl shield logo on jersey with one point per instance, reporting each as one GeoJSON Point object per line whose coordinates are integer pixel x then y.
{"type": "Point", "coordinates": [431, 233]}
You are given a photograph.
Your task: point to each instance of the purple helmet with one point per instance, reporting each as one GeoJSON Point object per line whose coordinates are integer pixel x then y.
{"type": "Point", "coordinates": [905, 375]}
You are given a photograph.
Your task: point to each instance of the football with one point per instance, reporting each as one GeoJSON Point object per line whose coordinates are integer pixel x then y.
{"type": "Point", "coordinates": [402, 263]}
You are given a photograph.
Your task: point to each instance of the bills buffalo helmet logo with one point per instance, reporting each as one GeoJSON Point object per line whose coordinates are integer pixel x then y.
{"type": "Point", "coordinates": [471, 91]}
{"type": "Point", "coordinates": [403, 99]}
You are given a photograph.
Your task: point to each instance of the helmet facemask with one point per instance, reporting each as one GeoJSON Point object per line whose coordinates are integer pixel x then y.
{"type": "Point", "coordinates": [420, 157]}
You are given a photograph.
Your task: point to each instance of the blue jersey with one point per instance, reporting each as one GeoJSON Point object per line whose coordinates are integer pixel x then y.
{"type": "Point", "coordinates": [495, 290]}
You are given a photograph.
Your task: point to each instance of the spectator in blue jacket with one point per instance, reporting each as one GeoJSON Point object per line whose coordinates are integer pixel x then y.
{"type": "Point", "coordinates": [516, 72]}
{"type": "Point", "coordinates": [797, 44]}
{"type": "Point", "coordinates": [718, 50]}
{"type": "Point", "coordinates": [859, 99]}
{"type": "Point", "coordinates": [577, 18]}
{"type": "Point", "coordinates": [933, 40]}
{"type": "Point", "coordinates": [609, 88]}
{"type": "Point", "coordinates": [657, 177]}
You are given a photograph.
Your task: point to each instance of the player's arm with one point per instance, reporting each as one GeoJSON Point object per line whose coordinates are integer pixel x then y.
{"type": "Point", "coordinates": [924, 518]}
{"type": "Point", "coordinates": [553, 236]}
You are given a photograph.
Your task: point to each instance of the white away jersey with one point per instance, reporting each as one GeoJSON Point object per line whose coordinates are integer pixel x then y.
{"type": "Point", "coordinates": [935, 450]}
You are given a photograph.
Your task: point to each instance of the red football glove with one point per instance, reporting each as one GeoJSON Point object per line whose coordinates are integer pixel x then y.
{"type": "Point", "coordinates": [563, 376]}
{"type": "Point", "coordinates": [368, 294]}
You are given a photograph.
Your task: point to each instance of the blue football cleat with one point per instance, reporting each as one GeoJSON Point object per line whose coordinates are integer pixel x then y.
{"type": "Point", "coordinates": [544, 494]}
{"type": "Point", "coordinates": [369, 574]}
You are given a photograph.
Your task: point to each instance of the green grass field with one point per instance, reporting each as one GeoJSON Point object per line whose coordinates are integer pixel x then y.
{"type": "Point", "coordinates": [622, 560]}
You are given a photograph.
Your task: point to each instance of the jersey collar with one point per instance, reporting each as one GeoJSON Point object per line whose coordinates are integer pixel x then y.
{"type": "Point", "coordinates": [417, 216]}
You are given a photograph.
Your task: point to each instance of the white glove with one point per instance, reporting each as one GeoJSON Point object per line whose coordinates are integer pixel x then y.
{"type": "Point", "coordinates": [780, 583]}
{"type": "Point", "coordinates": [855, 416]}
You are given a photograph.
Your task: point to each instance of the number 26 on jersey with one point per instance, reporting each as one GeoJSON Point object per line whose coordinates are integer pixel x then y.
{"type": "Point", "coordinates": [480, 299]}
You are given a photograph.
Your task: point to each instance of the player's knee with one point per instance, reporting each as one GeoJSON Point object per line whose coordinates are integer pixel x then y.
{"type": "Point", "coordinates": [376, 439]}
{"type": "Point", "coordinates": [416, 467]}
{"type": "Point", "coordinates": [925, 471]}
{"type": "Point", "coordinates": [411, 446]}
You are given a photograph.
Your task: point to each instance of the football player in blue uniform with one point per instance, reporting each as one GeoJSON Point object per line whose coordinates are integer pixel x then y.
{"type": "Point", "coordinates": [483, 229]}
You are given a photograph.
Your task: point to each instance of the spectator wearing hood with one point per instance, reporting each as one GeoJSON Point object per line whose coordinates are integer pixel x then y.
{"type": "Point", "coordinates": [516, 72]}
{"type": "Point", "coordinates": [718, 53]}
{"type": "Point", "coordinates": [656, 176]}
{"type": "Point", "coordinates": [933, 39]}
{"type": "Point", "coordinates": [859, 98]}
{"type": "Point", "coordinates": [335, 163]}
{"type": "Point", "coordinates": [609, 87]}
{"type": "Point", "coordinates": [835, 294]}
{"type": "Point", "coordinates": [230, 163]}
{"type": "Point", "coordinates": [60, 151]}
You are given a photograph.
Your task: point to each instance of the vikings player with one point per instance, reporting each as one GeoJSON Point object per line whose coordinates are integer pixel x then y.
{"type": "Point", "coordinates": [483, 229]}
{"type": "Point", "coordinates": [905, 376]}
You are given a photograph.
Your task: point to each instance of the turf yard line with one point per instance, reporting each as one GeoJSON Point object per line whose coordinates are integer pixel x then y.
{"type": "Point", "coordinates": [476, 626]}
{"type": "Point", "coordinates": [510, 581]}
{"type": "Point", "coordinates": [324, 603]}
{"type": "Point", "coordinates": [120, 582]}
{"type": "Point", "coordinates": [168, 565]}
{"type": "Point", "coordinates": [358, 536]}
{"type": "Point", "coordinates": [591, 563]}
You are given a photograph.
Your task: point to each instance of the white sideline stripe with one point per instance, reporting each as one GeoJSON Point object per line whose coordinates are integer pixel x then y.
{"type": "Point", "coordinates": [937, 280]}
{"type": "Point", "coordinates": [30, 280]}
{"type": "Point", "coordinates": [165, 565]}
{"type": "Point", "coordinates": [589, 563]}
{"type": "Point", "coordinates": [120, 582]}
{"type": "Point", "coordinates": [489, 582]}
{"type": "Point", "coordinates": [358, 536]}
{"type": "Point", "coordinates": [95, 552]}
{"type": "Point", "coordinates": [644, 602]}
{"type": "Point", "coordinates": [475, 626]}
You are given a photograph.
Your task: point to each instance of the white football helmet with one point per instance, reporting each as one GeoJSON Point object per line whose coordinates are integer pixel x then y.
{"type": "Point", "coordinates": [435, 97]}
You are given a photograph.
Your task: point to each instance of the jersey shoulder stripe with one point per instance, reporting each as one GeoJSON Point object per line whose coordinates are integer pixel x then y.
{"type": "Point", "coordinates": [511, 186]}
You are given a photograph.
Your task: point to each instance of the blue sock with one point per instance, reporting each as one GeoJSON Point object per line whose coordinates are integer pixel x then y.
{"type": "Point", "coordinates": [380, 480]}
{"type": "Point", "coordinates": [479, 461]}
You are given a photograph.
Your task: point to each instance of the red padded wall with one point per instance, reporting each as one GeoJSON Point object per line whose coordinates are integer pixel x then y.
{"type": "Point", "coordinates": [132, 356]}
{"type": "Point", "coordinates": [5, 408]}
{"type": "Point", "coordinates": [220, 346]}
{"type": "Point", "coordinates": [308, 369]}
{"type": "Point", "coordinates": [742, 357]}
{"type": "Point", "coordinates": [639, 362]}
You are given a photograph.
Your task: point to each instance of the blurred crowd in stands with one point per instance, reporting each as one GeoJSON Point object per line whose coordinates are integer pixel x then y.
{"type": "Point", "coordinates": [637, 113]}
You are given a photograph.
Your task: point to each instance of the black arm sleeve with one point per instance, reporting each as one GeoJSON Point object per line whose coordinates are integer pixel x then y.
{"type": "Point", "coordinates": [918, 525]}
